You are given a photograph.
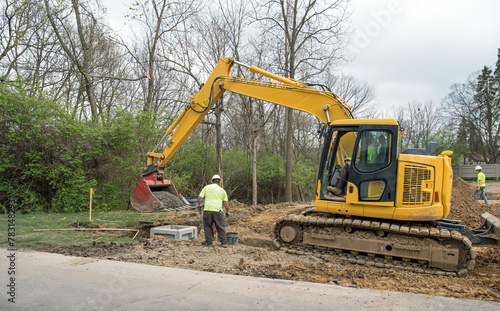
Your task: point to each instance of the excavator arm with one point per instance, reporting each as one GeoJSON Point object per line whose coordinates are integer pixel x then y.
{"type": "Point", "coordinates": [326, 106]}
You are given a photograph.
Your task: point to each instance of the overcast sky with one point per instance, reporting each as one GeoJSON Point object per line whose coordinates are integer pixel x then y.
{"type": "Point", "coordinates": [414, 50]}
{"type": "Point", "coordinates": [409, 50]}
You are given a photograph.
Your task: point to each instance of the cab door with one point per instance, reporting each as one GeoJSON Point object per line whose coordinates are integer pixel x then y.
{"type": "Point", "coordinates": [374, 165]}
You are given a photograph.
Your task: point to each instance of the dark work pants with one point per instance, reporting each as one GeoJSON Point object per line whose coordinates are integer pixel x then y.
{"type": "Point", "coordinates": [211, 218]}
{"type": "Point", "coordinates": [342, 181]}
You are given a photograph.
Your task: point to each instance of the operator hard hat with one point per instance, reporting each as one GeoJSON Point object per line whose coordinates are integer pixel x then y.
{"type": "Point", "coordinates": [347, 159]}
{"type": "Point", "coordinates": [216, 177]}
{"type": "Point", "coordinates": [478, 168]}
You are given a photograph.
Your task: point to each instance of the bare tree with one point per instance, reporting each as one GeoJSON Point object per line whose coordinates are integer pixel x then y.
{"type": "Point", "coordinates": [222, 33]}
{"type": "Point", "coordinates": [197, 45]}
{"type": "Point", "coordinates": [306, 37]}
{"type": "Point", "coordinates": [419, 122]}
{"type": "Point", "coordinates": [474, 107]}
{"type": "Point", "coordinates": [357, 94]}
{"type": "Point", "coordinates": [80, 45]}
{"type": "Point", "coordinates": [17, 27]}
{"type": "Point", "coordinates": [159, 18]}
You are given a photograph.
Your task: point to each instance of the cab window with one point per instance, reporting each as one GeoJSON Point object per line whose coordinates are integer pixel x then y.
{"type": "Point", "coordinates": [374, 150]}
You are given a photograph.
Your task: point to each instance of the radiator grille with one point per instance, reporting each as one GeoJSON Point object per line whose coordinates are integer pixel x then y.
{"type": "Point", "coordinates": [415, 189]}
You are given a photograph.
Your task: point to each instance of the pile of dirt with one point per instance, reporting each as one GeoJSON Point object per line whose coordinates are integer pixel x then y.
{"type": "Point", "coordinates": [253, 223]}
{"type": "Point", "coordinates": [464, 207]}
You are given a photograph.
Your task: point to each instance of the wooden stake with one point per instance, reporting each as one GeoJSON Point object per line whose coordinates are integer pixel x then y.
{"type": "Point", "coordinates": [90, 209]}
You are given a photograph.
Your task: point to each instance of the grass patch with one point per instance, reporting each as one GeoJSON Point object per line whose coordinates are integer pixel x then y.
{"type": "Point", "coordinates": [26, 238]}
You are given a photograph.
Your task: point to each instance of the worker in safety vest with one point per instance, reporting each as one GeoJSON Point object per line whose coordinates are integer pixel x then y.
{"type": "Point", "coordinates": [213, 214]}
{"type": "Point", "coordinates": [481, 184]}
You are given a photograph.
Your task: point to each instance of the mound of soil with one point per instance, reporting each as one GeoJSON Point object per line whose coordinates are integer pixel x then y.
{"type": "Point", "coordinates": [464, 207]}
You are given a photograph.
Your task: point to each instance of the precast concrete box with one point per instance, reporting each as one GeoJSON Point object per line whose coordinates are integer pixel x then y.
{"type": "Point", "coordinates": [175, 232]}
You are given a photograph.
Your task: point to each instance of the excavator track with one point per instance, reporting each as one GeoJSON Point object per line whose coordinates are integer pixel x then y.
{"type": "Point", "coordinates": [416, 247]}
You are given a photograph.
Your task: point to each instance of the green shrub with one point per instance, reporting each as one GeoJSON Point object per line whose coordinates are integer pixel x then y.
{"type": "Point", "coordinates": [49, 161]}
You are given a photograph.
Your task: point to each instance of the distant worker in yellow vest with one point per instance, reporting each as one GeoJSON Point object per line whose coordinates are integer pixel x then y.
{"type": "Point", "coordinates": [481, 184]}
{"type": "Point", "coordinates": [214, 196]}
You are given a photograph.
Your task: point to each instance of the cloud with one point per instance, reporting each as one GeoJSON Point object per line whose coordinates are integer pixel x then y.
{"type": "Point", "coordinates": [418, 49]}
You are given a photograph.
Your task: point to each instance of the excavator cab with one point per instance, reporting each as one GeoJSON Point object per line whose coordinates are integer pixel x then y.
{"type": "Point", "coordinates": [371, 179]}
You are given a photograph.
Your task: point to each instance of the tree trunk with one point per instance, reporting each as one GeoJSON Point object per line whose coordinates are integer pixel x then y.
{"type": "Point", "coordinates": [301, 192]}
{"type": "Point", "coordinates": [89, 86]}
{"type": "Point", "coordinates": [218, 140]}
{"type": "Point", "coordinates": [288, 155]}
{"type": "Point", "coordinates": [254, 167]}
{"type": "Point", "coordinates": [148, 105]}
{"type": "Point", "coordinates": [86, 51]}
{"type": "Point", "coordinates": [85, 67]}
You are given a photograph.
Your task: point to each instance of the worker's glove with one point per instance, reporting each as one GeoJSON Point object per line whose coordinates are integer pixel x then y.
{"type": "Point", "coordinates": [199, 208]}
{"type": "Point", "coordinates": [227, 214]}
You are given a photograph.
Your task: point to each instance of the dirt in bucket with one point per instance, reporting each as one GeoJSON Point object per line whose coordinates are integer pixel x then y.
{"type": "Point", "coordinates": [169, 200]}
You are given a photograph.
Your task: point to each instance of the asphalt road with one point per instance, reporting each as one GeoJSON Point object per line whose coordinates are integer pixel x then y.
{"type": "Point", "coordinates": [45, 281]}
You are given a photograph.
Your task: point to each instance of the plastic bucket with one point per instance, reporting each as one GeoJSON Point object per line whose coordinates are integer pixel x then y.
{"type": "Point", "coordinates": [232, 238]}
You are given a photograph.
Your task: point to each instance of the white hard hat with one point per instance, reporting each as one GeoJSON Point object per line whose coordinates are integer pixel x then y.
{"type": "Point", "coordinates": [478, 168]}
{"type": "Point", "coordinates": [216, 177]}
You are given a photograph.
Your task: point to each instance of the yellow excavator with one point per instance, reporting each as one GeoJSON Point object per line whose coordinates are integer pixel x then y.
{"type": "Point", "coordinates": [375, 204]}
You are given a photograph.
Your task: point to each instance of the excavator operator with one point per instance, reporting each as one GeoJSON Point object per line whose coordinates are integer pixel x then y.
{"type": "Point", "coordinates": [338, 190]}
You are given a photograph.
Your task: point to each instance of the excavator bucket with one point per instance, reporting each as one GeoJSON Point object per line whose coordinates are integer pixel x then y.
{"type": "Point", "coordinates": [489, 232]}
{"type": "Point", "coordinates": [155, 194]}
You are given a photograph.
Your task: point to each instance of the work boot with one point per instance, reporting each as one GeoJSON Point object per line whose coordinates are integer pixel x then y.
{"type": "Point", "coordinates": [329, 196]}
{"type": "Point", "coordinates": [335, 190]}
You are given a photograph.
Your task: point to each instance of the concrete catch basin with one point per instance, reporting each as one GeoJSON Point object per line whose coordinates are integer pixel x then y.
{"type": "Point", "coordinates": [175, 232]}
